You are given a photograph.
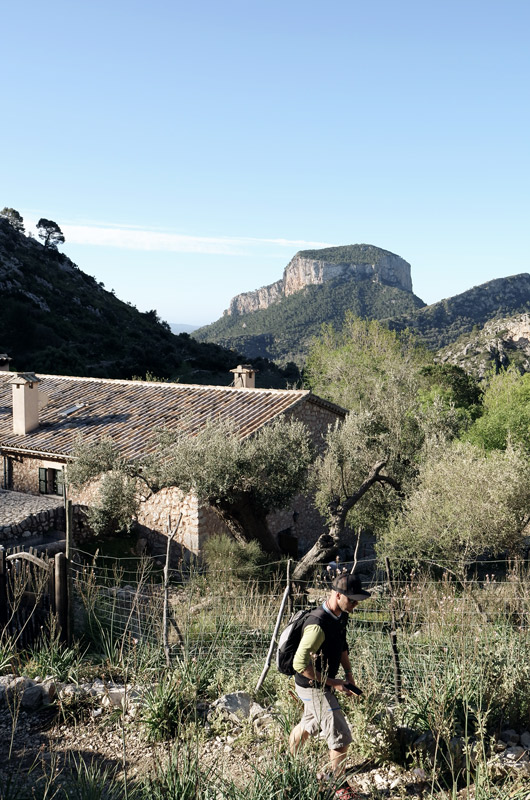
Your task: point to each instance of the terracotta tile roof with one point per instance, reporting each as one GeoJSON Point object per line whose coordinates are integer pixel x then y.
{"type": "Point", "coordinates": [130, 411]}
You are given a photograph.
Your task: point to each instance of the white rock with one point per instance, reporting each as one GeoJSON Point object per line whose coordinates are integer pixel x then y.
{"type": "Point", "coordinates": [256, 710]}
{"type": "Point", "coordinates": [237, 703]}
{"type": "Point", "coordinates": [516, 753]}
{"type": "Point", "coordinates": [115, 698]}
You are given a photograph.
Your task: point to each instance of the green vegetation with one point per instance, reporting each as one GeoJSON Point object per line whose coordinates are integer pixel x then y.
{"type": "Point", "coordinates": [465, 504]}
{"type": "Point", "coordinates": [50, 233]}
{"type": "Point", "coordinates": [465, 675]}
{"type": "Point", "coordinates": [444, 322]}
{"type": "Point", "coordinates": [14, 218]}
{"type": "Point", "coordinates": [57, 319]}
{"type": "Point", "coordinates": [284, 330]}
{"type": "Point", "coordinates": [347, 254]}
{"type": "Point", "coordinates": [506, 412]}
{"type": "Point", "coordinates": [399, 402]}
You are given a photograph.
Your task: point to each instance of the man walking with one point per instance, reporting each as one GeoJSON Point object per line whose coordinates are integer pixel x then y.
{"type": "Point", "coordinates": [322, 650]}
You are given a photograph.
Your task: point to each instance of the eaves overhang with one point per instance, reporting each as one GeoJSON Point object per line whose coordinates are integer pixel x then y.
{"type": "Point", "coordinates": [7, 450]}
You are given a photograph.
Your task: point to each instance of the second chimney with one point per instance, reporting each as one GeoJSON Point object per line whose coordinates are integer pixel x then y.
{"type": "Point", "coordinates": [244, 377]}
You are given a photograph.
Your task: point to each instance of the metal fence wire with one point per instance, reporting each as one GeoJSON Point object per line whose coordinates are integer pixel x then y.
{"type": "Point", "coordinates": [439, 624]}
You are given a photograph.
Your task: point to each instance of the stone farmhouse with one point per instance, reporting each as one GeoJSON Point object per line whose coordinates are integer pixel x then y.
{"type": "Point", "coordinates": [42, 416]}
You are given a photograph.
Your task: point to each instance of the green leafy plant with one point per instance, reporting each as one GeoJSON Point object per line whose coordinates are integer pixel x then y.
{"type": "Point", "coordinates": [167, 707]}
{"type": "Point", "coordinates": [51, 657]}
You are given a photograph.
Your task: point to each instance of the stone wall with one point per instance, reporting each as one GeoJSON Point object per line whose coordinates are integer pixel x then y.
{"type": "Point", "coordinates": [43, 512]}
{"type": "Point", "coordinates": [198, 522]}
{"type": "Point", "coordinates": [23, 516]}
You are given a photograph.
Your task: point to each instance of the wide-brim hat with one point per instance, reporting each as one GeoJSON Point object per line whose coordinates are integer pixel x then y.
{"type": "Point", "coordinates": [350, 586]}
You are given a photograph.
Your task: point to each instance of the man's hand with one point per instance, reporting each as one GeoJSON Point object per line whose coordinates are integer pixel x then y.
{"type": "Point", "coordinates": [349, 689]}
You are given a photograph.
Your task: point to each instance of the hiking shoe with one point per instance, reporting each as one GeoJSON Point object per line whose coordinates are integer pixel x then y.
{"type": "Point", "coordinates": [346, 793]}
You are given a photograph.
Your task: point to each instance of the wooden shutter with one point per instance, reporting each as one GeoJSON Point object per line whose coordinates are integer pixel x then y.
{"type": "Point", "coordinates": [43, 480]}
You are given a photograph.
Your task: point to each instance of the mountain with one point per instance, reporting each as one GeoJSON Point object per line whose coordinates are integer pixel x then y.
{"type": "Point", "coordinates": [316, 267]}
{"type": "Point", "coordinates": [54, 318]}
{"type": "Point", "coordinates": [318, 286]}
{"type": "Point", "coordinates": [499, 344]}
{"type": "Point", "coordinates": [444, 322]}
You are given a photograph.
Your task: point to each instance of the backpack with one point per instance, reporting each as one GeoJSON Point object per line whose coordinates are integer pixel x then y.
{"type": "Point", "coordinates": [290, 639]}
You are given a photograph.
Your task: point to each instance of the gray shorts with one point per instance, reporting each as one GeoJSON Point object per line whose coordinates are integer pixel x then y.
{"type": "Point", "coordinates": [323, 713]}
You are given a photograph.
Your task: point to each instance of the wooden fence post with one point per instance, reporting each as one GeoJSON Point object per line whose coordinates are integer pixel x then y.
{"type": "Point", "coordinates": [165, 613]}
{"type": "Point", "coordinates": [68, 554]}
{"type": "Point", "coordinates": [268, 660]}
{"type": "Point", "coordinates": [61, 595]}
{"type": "Point", "coordinates": [3, 590]}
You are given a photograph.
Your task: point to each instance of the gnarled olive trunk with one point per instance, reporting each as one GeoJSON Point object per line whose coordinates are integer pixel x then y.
{"type": "Point", "coordinates": [246, 522]}
{"type": "Point", "coordinates": [327, 545]}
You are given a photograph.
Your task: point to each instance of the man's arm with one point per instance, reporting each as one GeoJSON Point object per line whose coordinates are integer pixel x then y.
{"type": "Point", "coordinates": [346, 665]}
{"type": "Point", "coordinates": [312, 639]}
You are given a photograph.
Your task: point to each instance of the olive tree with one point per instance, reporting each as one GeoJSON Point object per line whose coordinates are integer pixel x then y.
{"type": "Point", "coordinates": [241, 479]}
{"type": "Point", "coordinates": [466, 503]}
{"type": "Point", "coordinates": [370, 461]}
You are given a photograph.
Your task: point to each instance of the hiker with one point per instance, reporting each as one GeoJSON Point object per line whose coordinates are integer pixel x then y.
{"type": "Point", "coordinates": [322, 650]}
{"type": "Point", "coordinates": [334, 567]}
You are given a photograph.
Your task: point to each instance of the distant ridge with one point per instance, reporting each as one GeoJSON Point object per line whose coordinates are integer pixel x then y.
{"type": "Point", "coordinates": [318, 286]}
{"type": "Point", "coordinates": [442, 323]}
{"type": "Point", "coordinates": [316, 267]}
{"type": "Point", "coordinates": [500, 344]}
{"type": "Point", "coordinates": [176, 328]}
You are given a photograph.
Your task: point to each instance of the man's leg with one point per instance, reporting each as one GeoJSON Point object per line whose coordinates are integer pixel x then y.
{"type": "Point", "coordinates": [297, 737]}
{"type": "Point", "coordinates": [337, 759]}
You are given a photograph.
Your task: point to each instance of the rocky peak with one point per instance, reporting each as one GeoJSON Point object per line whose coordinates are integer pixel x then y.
{"type": "Point", "coordinates": [309, 267]}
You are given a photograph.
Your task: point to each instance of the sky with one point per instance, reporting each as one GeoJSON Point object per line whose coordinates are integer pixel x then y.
{"type": "Point", "coordinates": [189, 150]}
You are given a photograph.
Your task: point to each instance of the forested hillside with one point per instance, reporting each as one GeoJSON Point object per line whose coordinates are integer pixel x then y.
{"type": "Point", "coordinates": [284, 330]}
{"type": "Point", "coordinates": [55, 318]}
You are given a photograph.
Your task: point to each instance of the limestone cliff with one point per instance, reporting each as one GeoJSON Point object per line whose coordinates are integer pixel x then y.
{"type": "Point", "coordinates": [310, 267]}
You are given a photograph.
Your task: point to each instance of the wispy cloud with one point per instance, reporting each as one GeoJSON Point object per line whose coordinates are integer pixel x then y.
{"type": "Point", "coordinates": [130, 238]}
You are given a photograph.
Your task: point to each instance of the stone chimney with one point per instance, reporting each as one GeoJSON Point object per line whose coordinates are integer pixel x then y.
{"type": "Point", "coordinates": [244, 376]}
{"type": "Point", "coordinates": [4, 362]}
{"type": "Point", "coordinates": [25, 402]}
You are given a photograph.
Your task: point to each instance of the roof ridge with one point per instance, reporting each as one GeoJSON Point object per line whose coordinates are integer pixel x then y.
{"type": "Point", "coordinates": [203, 386]}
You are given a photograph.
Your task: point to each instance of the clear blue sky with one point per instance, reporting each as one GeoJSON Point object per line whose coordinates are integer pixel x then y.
{"type": "Point", "coordinates": [188, 150]}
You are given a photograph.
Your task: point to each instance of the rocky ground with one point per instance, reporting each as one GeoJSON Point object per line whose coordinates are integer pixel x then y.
{"type": "Point", "coordinates": [48, 730]}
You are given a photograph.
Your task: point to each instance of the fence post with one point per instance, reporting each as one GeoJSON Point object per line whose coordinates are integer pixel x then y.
{"type": "Point", "coordinates": [3, 590]}
{"type": "Point", "coordinates": [286, 595]}
{"type": "Point", "coordinates": [68, 553]}
{"type": "Point", "coordinates": [393, 636]}
{"type": "Point", "coordinates": [61, 595]}
{"type": "Point", "coordinates": [165, 614]}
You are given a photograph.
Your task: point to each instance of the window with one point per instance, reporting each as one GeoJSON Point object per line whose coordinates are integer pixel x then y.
{"type": "Point", "coordinates": [51, 481]}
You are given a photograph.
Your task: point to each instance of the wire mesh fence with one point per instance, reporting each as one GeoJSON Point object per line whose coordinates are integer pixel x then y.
{"type": "Point", "coordinates": [443, 627]}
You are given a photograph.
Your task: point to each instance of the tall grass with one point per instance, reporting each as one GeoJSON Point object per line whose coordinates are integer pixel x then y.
{"type": "Point", "coordinates": [464, 652]}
